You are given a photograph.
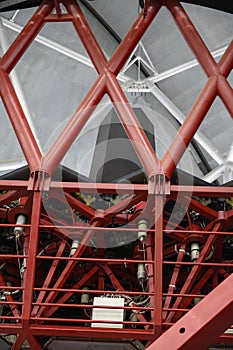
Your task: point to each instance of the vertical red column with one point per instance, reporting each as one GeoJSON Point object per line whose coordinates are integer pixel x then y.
{"type": "Point", "coordinates": [158, 258]}
{"type": "Point", "coordinates": [30, 273]}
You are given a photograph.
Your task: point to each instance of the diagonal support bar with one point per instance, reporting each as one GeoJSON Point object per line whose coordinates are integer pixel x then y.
{"type": "Point", "coordinates": [226, 62]}
{"type": "Point", "coordinates": [189, 127]}
{"type": "Point", "coordinates": [180, 117]}
{"type": "Point", "coordinates": [192, 37]}
{"type": "Point", "coordinates": [133, 37]}
{"type": "Point", "coordinates": [35, 345]}
{"type": "Point", "coordinates": [19, 342]}
{"type": "Point", "coordinates": [23, 41]}
{"type": "Point", "coordinates": [132, 126]}
{"type": "Point", "coordinates": [29, 276]}
{"type": "Point", "coordinates": [19, 122]}
{"type": "Point", "coordinates": [74, 126]}
{"type": "Point", "coordinates": [201, 326]}
{"type": "Point", "coordinates": [225, 91]}
{"type": "Point", "coordinates": [88, 39]}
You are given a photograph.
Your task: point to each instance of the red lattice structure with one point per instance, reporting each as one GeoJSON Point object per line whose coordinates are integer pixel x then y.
{"type": "Point", "coordinates": [47, 292]}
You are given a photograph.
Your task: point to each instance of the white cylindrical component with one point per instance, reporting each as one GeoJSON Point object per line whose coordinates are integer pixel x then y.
{"type": "Point", "coordinates": [141, 273]}
{"type": "Point", "coordinates": [142, 234]}
{"type": "Point", "coordinates": [74, 247]}
{"type": "Point", "coordinates": [21, 219]}
{"type": "Point", "coordinates": [195, 251]}
{"type": "Point", "coordinates": [210, 254]}
{"type": "Point", "coordinates": [133, 318]}
{"type": "Point", "coordinates": [23, 267]}
{"type": "Point", "coordinates": [196, 300]}
{"type": "Point", "coordinates": [85, 297]}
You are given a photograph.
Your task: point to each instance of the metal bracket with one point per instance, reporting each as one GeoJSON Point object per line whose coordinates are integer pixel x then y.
{"type": "Point", "coordinates": [39, 181]}
{"type": "Point", "coordinates": [57, 7]}
{"type": "Point", "coordinates": [159, 185]}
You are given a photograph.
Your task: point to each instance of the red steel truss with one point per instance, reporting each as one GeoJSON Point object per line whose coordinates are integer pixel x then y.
{"type": "Point", "coordinates": [43, 284]}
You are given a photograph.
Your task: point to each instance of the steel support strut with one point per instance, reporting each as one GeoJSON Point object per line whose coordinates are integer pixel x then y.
{"type": "Point", "coordinates": [19, 122]}
{"type": "Point", "coordinates": [25, 38]}
{"type": "Point", "coordinates": [189, 127]}
{"type": "Point", "coordinates": [159, 193]}
{"type": "Point", "coordinates": [29, 278]}
{"type": "Point", "coordinates": [132, 127]}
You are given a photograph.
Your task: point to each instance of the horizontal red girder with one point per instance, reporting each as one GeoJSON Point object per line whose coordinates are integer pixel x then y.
{"type": "Point", "coordinates": [86, 187]}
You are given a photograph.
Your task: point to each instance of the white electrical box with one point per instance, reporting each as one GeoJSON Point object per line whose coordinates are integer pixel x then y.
{"type": "Point", "coordinates": [108, 314]}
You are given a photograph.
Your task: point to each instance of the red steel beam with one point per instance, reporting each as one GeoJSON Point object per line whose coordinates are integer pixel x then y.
{"type": "Point", "coordinates": [123, 205]}
{"type": "Point", "coordinates": [229, 214]}
{"type": "Point", "coordinates": [203, 191]}
{"type": "Point", "coordinates": [87, 37]}
{"type": "Point", "coordinates": [132, 127]}
{"type": "Point", "coordinates": [76, 204]}
{"type": "Point", "coordinates": [25, 38]}
{"type": "Point", "coordinates": [202, 209]}
{"type": "Point", "coordinates": [193, 204]}
{"type": "Point", "coordinates": [19, 122]}
{"type": "Point", "coordinates": [200, 327]}
{"type": "Point", "coordinates": [192, 37]}
{"type": "Point", "coordinates": [132, 38]}
{"type": "Point", "coordinates": [58, 228]}
{"type": "Point", "coordinates": [174, 278]}
{"type": "Point", "coordinates": [225, 91]}
{"type": "Point", "coordinates": [189, 127]}
{"type": "Point", "coordinates": [100, 187]}
{"type": "Point", "coordinates": [19, 342]}
{"type": "Point", "coordinates": [74, 126]}
{"type": "Point", "coordinates": [35, 345]}
{"type": "Point", "coordinates": [150, 269]}
{"type": "Point", "coordinates": [10, 197]}
{"type": "Point", "coordinates": [29, 275]}
{"type": "Point", "coordinates": [226, 62]}
{"type": "Point", "coordinates": [225, 339]}
{"type": "Point", "coordinates": [14, 185]}
{"type": "Point", "coordinates": [158, 264]}
{"type": "Point", "coordinates": [64, 17]}
{"type": "Point", "coordinates": [72, 331]}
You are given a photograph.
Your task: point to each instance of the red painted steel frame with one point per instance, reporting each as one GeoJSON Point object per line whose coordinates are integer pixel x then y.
{"type": "Point", "coordinates": [35, 317]}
